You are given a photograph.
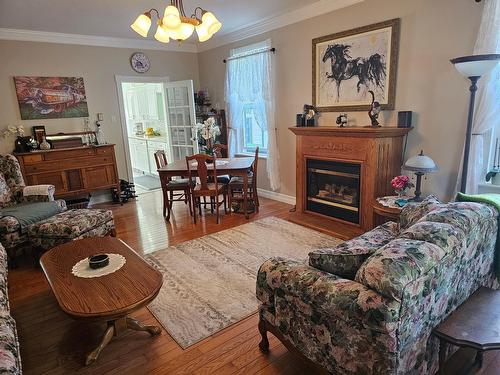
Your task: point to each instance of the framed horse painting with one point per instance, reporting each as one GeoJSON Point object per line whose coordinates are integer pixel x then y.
{"type": "Point", "coordinates": [355, 67]}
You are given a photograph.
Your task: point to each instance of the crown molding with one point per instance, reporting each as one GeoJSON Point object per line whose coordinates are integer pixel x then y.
{"type": "Point", "coordinates": [272, 23]}
{"type": "Point", "coordinates": [90, 40]}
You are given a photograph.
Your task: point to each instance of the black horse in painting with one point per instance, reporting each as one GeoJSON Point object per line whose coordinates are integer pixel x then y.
{"type": "Point", "coordinates": [344, 67]}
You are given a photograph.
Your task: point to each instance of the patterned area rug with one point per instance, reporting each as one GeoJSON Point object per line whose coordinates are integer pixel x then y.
{"type": "Point", "coordinates": [209, 283]}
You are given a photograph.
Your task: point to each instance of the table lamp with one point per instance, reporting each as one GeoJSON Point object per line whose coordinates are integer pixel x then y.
{"type": "Point", "coordinates": [472, 67]}
{"type": "Point", "coordinates": [420, 164]}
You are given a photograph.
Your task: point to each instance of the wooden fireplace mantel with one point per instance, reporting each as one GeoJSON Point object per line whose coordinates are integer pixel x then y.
{"type": "Point", "coordinates": [379, 153]}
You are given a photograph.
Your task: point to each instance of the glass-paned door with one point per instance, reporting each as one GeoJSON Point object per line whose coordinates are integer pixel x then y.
{"type": "Point", "coordinates": [181, 119]}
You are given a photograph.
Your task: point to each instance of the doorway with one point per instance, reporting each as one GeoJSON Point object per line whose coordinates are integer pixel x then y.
{"type": "Point", "coordinates": [156, 115]}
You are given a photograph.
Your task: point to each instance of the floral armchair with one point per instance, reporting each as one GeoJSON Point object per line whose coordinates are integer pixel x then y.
{"type": "Point", "coordinates": [369, 305]}
{"type": "Point", "coordinates": [13, 191]}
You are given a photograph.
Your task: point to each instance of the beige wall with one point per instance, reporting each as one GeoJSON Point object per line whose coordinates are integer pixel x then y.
{"type": "Point", "coordinates": [432, 32]}
{"type": "Point", "coordinates": [98, 66]}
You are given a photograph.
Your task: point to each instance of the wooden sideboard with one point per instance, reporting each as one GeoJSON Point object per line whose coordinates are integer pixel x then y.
{"type": "Point", "coordinates": [73, 171]}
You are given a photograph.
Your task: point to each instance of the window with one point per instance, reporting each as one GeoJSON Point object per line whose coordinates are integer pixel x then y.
{"type": "Point", "coordinates": [254, 134]}
{"type": "Point", "coordinates": [253, 131]}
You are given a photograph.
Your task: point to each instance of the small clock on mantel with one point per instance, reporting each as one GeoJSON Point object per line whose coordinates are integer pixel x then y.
{"type": "Point", "coordinates": [140, 62]}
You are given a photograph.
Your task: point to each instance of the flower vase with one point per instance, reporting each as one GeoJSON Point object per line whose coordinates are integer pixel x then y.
{"type": "Point", "coordinates": [44, 145]}
{"type": "Point", "coordinates": [402, 193]}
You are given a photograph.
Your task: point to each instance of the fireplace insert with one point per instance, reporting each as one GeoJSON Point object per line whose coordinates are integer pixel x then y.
{"type": "Point", "coordinates": [333, 189]}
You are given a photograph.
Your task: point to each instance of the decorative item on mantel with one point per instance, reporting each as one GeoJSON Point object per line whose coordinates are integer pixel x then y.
{"type": "Point", "coordinates": [341, 120]}
{"type": "Point", "coordinates": [420, 164]}
{"type": "Point", "coordinates": [308, 116]}
{"type": "Point", "coordinates": [206, 133]}
{"type": "Point", "coordinates": [374, 111]}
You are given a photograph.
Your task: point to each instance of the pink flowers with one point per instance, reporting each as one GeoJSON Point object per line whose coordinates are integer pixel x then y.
{"type": "Point", "coordinates": [400, 183]}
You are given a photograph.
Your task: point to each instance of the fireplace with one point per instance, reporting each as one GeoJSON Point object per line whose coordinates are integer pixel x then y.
{"type": "Point", "coordinates": [333, 189]}
{"type": "Point", "coordinates": [340, 172]}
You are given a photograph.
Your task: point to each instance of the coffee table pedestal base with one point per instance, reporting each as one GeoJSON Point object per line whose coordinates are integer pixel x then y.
{"type": "Point", "coordinates": [116, 328]}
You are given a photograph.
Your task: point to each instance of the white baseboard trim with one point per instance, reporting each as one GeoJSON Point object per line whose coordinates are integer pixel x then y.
{"type": "Point", "coordinates": [276, 196]}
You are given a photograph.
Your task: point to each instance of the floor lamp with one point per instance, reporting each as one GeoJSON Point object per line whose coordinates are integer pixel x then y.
{"type": "Point", "coordinates": [472, 67]}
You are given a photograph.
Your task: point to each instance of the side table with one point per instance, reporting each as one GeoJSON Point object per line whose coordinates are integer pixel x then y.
{"type": "Point", "coordinates": [383, 214]}
{"type": "Point", "coordinates": [474, 325]}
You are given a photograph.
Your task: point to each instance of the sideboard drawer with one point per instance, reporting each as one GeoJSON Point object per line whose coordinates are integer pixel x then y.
{"type": "Point", "coordinates": [31, 159]}
{"type": "Point", "coordinates": [104, 150]}
{"type": "Point", "coordinates": [65, 154]}
{"type": "Point", "coordinates": [69, 164]}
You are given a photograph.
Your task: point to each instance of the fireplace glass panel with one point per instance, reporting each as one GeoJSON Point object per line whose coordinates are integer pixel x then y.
{"type": "Point", "coordinates": [333, 189]}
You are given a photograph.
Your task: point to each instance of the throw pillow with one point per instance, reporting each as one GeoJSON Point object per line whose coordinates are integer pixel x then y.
{"type": "Point", "coordinates": [345, 259]}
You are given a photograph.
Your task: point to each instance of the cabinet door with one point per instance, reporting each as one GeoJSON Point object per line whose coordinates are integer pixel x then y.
{"type": "Point", "coordinates": [138, 154]}
{"type": "Point", "coordinates": [99, 177]}
{"type": "Point", "coordinates": [154, 146]}
{"type": "Point", "coordinates": [58, 179]}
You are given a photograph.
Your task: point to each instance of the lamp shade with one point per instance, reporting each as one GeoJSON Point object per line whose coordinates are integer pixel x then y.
{"type": "Point", "coordinates": [211, 23]}
{"type": "Point", "coordinates": [171, 17]}
{"type": "Point", "coordinates": [182, 32]}
{"type": "Point", "coordinates": [420, 163]}
{"type": "Point", "coordinates": [162, 34]}
{"type": "Point", "coordinates": [203, 34]}
{"type": "Point", "coordinates": [142, 24]}
{"type": "Point", "coordinates": [475, 65]}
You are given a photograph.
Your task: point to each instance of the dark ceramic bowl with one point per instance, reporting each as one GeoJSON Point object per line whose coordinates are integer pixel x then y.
{"type": "Point", "coordinates": [98, 261]}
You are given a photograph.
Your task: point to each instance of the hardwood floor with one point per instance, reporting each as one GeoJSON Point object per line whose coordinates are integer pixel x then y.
{"type": "Point", "coordinates": [53, 343]}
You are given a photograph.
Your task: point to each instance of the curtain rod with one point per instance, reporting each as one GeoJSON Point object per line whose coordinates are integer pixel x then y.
{"type": "Point", "coordinates": [273, 50]}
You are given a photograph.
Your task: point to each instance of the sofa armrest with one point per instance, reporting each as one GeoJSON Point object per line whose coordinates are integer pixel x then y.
{"type": "Point", "coordinates": [34, 193]}
{"type": "Point", "coordinates": [314, 290]}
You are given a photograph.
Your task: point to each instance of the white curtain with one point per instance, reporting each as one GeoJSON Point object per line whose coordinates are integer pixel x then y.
{"type": "Point", "coordinates": [487, 107]}
{"type": "Point", "coordinates": [250, 80]}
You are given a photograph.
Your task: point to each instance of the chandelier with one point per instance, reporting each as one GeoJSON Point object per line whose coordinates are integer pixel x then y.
{"type": "Point", "coordinates": [176, 25]}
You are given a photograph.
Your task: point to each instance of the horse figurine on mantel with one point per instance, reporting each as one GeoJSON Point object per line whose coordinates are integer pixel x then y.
{"type": "Point", "coordinates": [344, 67]}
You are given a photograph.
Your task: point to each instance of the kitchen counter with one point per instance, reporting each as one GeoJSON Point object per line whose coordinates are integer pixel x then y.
{"type": "Point", "coordinates": [158, 138]}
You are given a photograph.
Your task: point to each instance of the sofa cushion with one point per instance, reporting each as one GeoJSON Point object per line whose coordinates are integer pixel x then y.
{"type": "Point", "coordinates": [5, 194]}
{"type": "Point", "coordinates": [346, 258]}
{"type": "Point", "coordinates": [444, 235]}
{"type": "Point", "coordinates": [413, 212]}
{"type": "Point", "coordinates": [397, 264]}
{"type": "Point", "coordinates": [70, 224]}
{"type": "Point", "coordinates": [10, 362]}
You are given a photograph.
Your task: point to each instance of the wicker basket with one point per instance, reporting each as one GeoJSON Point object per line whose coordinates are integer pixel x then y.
{"type": "Point", "coordinates": [74, 204]}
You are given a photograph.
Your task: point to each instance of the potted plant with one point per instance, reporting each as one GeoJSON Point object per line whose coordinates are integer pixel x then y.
{"type": "Point", "coordinates": [401, 184]}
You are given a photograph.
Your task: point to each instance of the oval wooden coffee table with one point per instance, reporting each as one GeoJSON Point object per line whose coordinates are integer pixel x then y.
{"type": "Point", "coordinates": [108, 298]}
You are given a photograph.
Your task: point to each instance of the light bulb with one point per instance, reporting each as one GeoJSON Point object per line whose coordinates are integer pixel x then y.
{"type": "Point", "coordinates": [171, 18]}
{"type": "Point", "coordinates": [162, 34]}
{"type": "Point", "coordinates": [142, 24]}
{"type": "Point", "coordinates": [211, 23]}
{"type": "Point", "coordinates": [202, 32]}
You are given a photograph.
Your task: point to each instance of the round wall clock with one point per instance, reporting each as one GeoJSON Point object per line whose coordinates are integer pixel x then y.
{"type": "Point", "coordinates": [140, 62]}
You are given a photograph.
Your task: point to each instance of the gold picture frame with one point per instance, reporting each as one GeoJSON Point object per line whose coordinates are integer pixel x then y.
{"type": "Point", "coordinates": [349, 64]}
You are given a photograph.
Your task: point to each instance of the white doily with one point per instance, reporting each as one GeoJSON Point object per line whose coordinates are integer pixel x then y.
{"type": "Point", "coordinates": [82, 268]}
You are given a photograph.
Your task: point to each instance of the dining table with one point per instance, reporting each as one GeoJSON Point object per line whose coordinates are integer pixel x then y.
{"type": "Point", "coordinates": [224, 166]}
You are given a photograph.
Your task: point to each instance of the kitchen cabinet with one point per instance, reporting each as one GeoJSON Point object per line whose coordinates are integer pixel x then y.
{"type": "Point", "coordinates": [139, 154]}
{"type": "Point", "coordinates": [154, 146]}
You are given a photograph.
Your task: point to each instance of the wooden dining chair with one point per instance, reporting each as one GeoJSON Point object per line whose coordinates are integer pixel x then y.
{"type": "Point", "coordinates": [204, 188]}
{"type": "Point", "coordinates": [174, 190]}
{"type": "Point", "coordinates": [219, 149]}
{"type": "Point", "coordinates": [235, 186]}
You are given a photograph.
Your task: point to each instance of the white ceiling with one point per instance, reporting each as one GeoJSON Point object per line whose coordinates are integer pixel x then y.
{"type": "Point", "coordinates": [112, 18]}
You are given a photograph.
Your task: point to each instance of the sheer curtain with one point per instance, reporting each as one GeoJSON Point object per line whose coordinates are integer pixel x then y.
{"type": "Point", "coordinates": [487, 108]}
{"type": "Point", "coordinates": [250, 80]}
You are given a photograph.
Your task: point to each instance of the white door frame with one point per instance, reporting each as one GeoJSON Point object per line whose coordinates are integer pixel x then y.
{"type": "Point", "coordinates": [130, 79]}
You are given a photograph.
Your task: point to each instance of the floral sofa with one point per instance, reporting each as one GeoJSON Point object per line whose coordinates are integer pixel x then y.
{"type": "Point", "coordinates": [369, 305]}
{"type": "Point", "coordinates": [14, 191]}
{"type": "Point", "coordinates": [10, 361]}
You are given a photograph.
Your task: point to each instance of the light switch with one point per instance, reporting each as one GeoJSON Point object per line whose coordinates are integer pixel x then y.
{"type": "Point", "coordinates": [100, 117]}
